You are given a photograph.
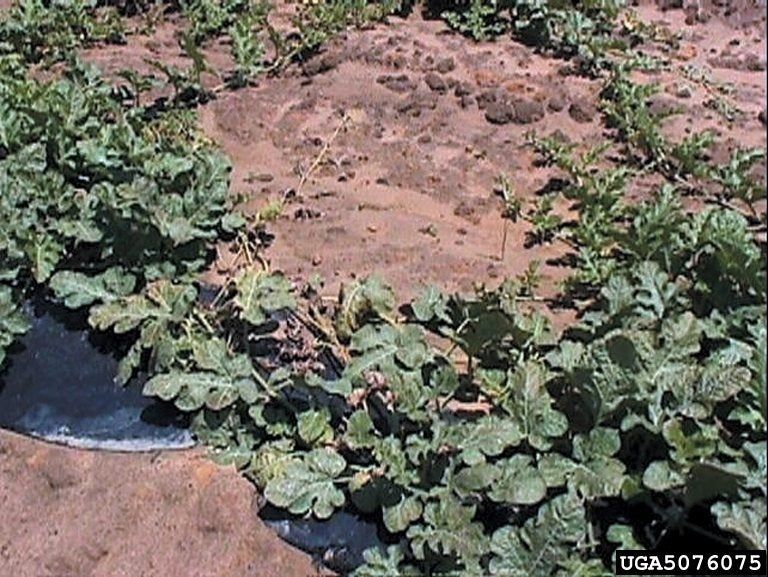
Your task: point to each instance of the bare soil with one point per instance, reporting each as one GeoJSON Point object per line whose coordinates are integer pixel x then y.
{"type": "Point", "coordinates": [400, 132]}
{"type": "Point", "coordinates": [73, 513]}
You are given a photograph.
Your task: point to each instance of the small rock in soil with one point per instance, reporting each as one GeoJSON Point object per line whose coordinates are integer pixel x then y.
{"type": "Point", "coordinates": [322, 63]}
{"type": "Point", "coordinates": [485, 98]}
{"type": "Point", "coordinates": [304, 213]}
{"type": "Point", "coordinates": [683, 91]}
{"type": "Point", "coordinates": [582, 110]}
{"type": "Point", "coordinates": [399, 83]}
{"type": "Point", "coordinates": [435, 82]}
{"type": "Point", "coordinates": [463, 89]}
{"type": "Point", "coordinates": [527, 111]}
{"type": "Point", "coordinates": [561, 136]}
{"type": "Point", "coordinates": [557, 102]}
{"type": "Point", "coordinates": [446, 65]}
{"type": "Point", "coordinates": [761, 116]}
{"type": "Point", "coordinates": [467, 211]}
{"type": "Point", "coordinates": [262, 177]}
{"type": "Point", "coordinates": [499, 112]}
{"type": "Point", "coordinates": [415, 103]}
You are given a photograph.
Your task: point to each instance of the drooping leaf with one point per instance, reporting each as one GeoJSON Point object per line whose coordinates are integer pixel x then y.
{"type": "Point", "coordinates": [360, 300]}
{"type": "Point", "coordinates": [259, 294]}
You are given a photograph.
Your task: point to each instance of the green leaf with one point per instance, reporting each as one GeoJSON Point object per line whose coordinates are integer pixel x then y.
{"type": "Point", "coordinates": [624, 536]}
{"type": "Point", "coordinates": [518, 482]}
{"type": "Point", "coordinates": [473, 479]}
{"type": "Point", "coordinates": [13, 321]}
{"type": "Point", "coordinates": [309, 485]}
{"type": "Point", "coordinates": [543, 543]}
{"type": "Point", "coordinates": [360, 432]}
{"type": "Point", "coordinates": [528, 403]}
{"type": "Point", "coordinates": [448, 529]}
{"type": "Point", "coordinates": [600, 442]}
{"type": "Point", "coordinates": [555, 469]}
{"type": "Point", "coordinates": [341, 387]}
{"type": "Point", "coordinates": [399, 517]}
{"type": "Point", "coordinates": [488, 436]}
{"type": "Point", "coordinates": [360, 300]}
{"type": "Point", "coordinates": [195, 389]}
{"type": "Point", "coordinates": [315, 427]}
{"type": "Point", "coordinates": [747, 519]}
{"type": "Point", "coordinates": [166, 386]}
{"type": "Point", "coordinates": [384, 564]}
{"type": "Point", "coordinates": [431, 304]}
{"type": "Point", "coordinates": [213, 354]}
{"type": "Point", "coordinates": [162, 301]}
{"type": "Point", "coordinates": [659, 476]}
{"type": "Point", "coordinates": [77, 289]}
{"type": "Point", "coordinates": [259, 294]}
{"type": "Point", "coordinates": [44, 254]}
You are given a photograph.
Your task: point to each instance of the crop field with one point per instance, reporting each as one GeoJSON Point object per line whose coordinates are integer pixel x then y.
{"type": "Point", "coordinates": [482, 282]}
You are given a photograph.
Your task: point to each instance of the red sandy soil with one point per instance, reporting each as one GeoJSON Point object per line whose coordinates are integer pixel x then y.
{"type": "Point", "coordinates": [403, 189]}
{"type": "Point", "coordinates": [72, 513]}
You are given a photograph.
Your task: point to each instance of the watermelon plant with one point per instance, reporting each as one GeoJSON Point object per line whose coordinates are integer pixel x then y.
{"type": "Point", "coordinates": [480, 439]}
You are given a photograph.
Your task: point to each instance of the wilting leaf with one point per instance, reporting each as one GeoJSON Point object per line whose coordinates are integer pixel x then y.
{"type": "Point", "coordinates": [360, 300]}
{"type": "Point", "coordinates": [259, 294]}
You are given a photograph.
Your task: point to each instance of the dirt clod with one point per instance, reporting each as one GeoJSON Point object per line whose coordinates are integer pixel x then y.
{"type": "Point", "coordinates": [435, 82]}
{"type": "Point", "coordinates": [499, 112]}
{"type": "Point", "coordinates": [527, 111]}
{"type": "Point", "coordinates": [446, 65]}
{"type": "Point", "coordinates": [582, 110]}
{"type": "Point", "coordinates": [463, 89]}
{"type": "Point", "coordinates": [557, 101]}
{"type": "Point", "coordinates": [485, 98]}
{"type": "Point", "coordinates": [322, 63]}
{"type": "Point", "coordinates": [399, 83]}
